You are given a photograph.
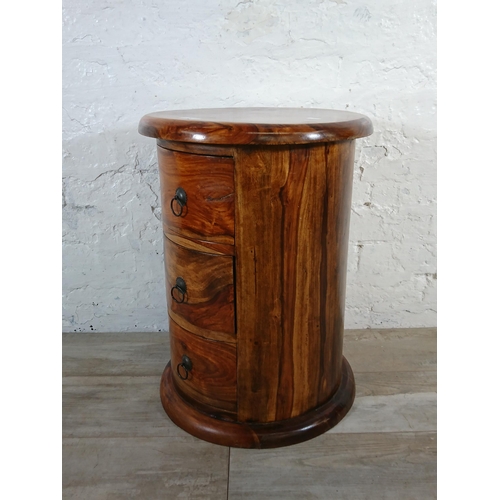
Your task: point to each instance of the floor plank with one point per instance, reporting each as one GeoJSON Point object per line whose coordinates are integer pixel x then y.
{"type": "Point", "coordinates": [389, 466]}
{"type": "Point", "coordinates": [372, 350]}
{"type": "Point", "coordinates": [118, 442]}
{"type": "Point", "coordinates": [358, 335]}
{"type": "Point", "coordinates": [114, 407]}
{"type": "Point", "coordinates": [89, 354]}
{"type": "Point", "coordinates": [395, 413]}
{"type": "Point", "coordinates": [391, 350]}
{"type": "Point", "coordinates": [388, 383]}
{"type": "Point", "coordinates": [144, 468]}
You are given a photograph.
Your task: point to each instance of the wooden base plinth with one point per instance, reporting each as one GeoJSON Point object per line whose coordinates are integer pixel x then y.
{"type": "Point", "coordinates": [252, 435]}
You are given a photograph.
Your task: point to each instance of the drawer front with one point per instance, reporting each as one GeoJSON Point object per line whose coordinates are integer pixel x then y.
{"type": "Point", "coordinates": [197, 195]}
{"type": "Point", "coordinates": [211, 378]}
{"type": "Point", "coordinates": [203, 302]}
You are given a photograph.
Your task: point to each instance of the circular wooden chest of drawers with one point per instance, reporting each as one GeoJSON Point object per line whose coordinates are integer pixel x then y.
{"type": "Point", "coordinates": [255, 205]}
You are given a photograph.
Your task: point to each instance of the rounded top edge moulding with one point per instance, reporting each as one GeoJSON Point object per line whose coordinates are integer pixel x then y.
{"type": "Point", "coordinates": [248, 126]}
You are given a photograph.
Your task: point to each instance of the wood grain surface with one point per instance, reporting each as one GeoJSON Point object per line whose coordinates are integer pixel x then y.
{"type": "Point", "coordinates": [256, 260]}
{"type": "Point", "coordinates": [212, 380]}
{"type": "Point", "coordinates": [292, 220]}
{"type": "Point", "coordinates": [243, 126]}
{"type": "Point", "coordinates": [198, 148]}
{"type": "Point", "coordinates": [112, 354]}
{"type": "Point", "coordinates": [274, 434]}
{"type": "Point", "coordinates": [118, 442]}
{"type": "Point", "coordinates": [209, 299]}
{"type": "Point", "coordinates": [201, 245]}
{"type": "Point", "coordinates": [151, 468]}
{"type": "Point", "coordinates": [209, 184]}
{"type": "Point", "coordinates": [114, 406]}
{"type": "Point", "coordinates": [371, 466]}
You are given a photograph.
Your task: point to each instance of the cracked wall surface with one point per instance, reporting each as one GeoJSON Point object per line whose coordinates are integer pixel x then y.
{"type": "Point", "coordinates": [125, 59]}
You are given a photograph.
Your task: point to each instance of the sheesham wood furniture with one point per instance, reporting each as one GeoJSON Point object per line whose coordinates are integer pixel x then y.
{"type": "Point", "coordinates": [256, 205]}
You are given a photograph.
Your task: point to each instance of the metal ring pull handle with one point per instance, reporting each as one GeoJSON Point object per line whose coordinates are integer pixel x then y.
{"type": "Point", "coordinates": [180, 286]}
{"type": "Point", "coordinates": [186, 365]}
{"type": "Point", "coordinates": [181, 199]}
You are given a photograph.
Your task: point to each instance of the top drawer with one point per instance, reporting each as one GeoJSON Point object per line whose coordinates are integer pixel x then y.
{"type": "Point", "coordinates": [204, 206]}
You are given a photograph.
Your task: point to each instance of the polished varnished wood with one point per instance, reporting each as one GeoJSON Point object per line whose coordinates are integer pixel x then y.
{"type": "Point", "coordinates": [244, 126]}
{"type": "Point", "coordinates": [212, 379]}
{"type": "Point", "coordinates": [291, 276]}
{"type": "Point", "coordinates": [201, 245]}
{"type": "Point", "coordinates": [257, 435]}
{"type": "Point", "coordinates": [208, 304]}
{"type": "Point", "coordinates": [197, 148]}
{"type": "Point", "coordinates": [209, 184]}
{"type": "Point", "coordinates": [262, 247]}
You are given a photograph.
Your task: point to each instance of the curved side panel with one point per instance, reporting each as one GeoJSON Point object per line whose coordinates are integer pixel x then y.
{"type": "Point", "coordinates": [246, 435]}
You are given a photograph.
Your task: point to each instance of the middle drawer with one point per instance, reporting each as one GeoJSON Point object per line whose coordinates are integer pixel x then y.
{"type": "Point", "coordinates": [200, 291]}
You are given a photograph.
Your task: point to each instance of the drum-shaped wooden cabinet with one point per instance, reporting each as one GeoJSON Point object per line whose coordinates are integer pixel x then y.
{"type": "Point", "coordinates": [256, 205]}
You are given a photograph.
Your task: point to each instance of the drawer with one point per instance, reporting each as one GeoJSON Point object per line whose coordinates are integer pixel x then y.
{"type": "Point", "coordinates": [197, 195]}
{"type": "Point", "coordinates": [203, 302]}
{"type": "Point", "coordinates": [211, 379]}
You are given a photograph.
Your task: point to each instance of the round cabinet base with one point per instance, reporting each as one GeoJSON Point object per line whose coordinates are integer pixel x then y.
{"type": "Point", "coordinates": [253, 435]}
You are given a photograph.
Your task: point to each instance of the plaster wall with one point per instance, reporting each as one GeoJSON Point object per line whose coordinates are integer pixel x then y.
{"type": "Point", "coordinates": [123, 59]}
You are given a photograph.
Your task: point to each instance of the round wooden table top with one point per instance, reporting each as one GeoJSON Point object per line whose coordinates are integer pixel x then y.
{"type": "Point", "coordinates": [240, 126]}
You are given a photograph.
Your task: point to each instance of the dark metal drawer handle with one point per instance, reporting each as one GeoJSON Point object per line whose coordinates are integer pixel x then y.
{"type": "Point", "coordinates": [185, 365]}
{"type": "Point", "coordinates": [180, 286]}
{"type": "Point", "coordinates": [181, 199]}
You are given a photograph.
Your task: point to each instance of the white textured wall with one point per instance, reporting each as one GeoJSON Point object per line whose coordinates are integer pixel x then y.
{"type": "Point", "coordinates": [122, 59]}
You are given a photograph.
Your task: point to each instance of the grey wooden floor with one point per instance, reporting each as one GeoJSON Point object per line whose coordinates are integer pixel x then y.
{"type": "Point", "coordinates": [118, 442]}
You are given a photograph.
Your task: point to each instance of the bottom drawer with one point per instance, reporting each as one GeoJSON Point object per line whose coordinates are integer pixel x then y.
{"type": "Point", "coordinates": [211, 377]}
